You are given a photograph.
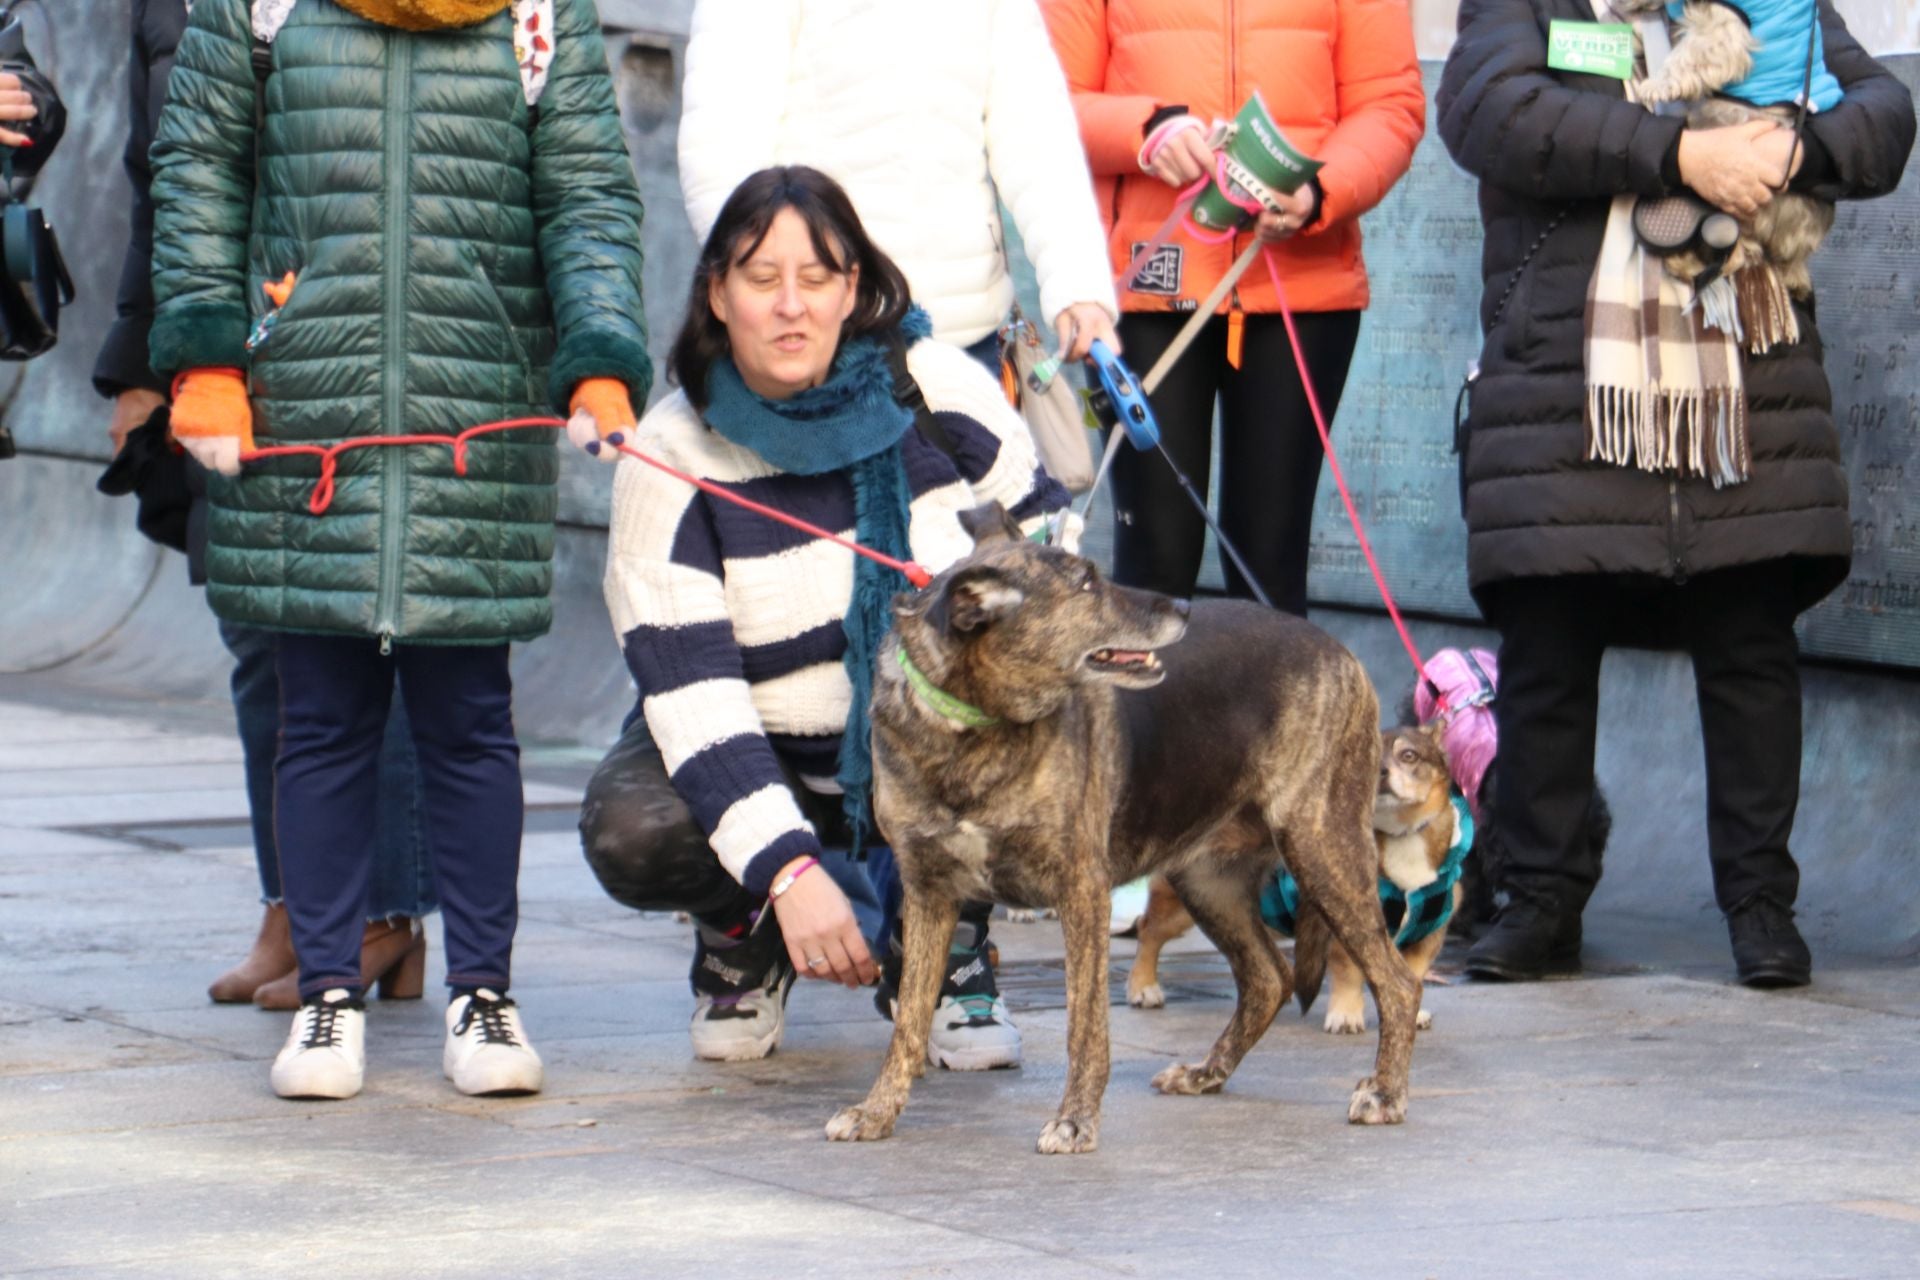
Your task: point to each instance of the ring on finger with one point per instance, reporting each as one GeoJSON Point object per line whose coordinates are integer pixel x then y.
{"type": "Point", "coordinates": [816, 962]}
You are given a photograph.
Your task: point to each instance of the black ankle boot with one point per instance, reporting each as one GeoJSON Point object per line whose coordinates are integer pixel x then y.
{"type": "Point", "coordinates": [1768, 951]}
{"type": "Point", "coordinates": [1529, 939]}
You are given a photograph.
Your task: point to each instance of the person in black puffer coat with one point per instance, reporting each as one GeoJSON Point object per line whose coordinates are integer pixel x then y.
{"type": "Point", "coordinates": [1567, 555]}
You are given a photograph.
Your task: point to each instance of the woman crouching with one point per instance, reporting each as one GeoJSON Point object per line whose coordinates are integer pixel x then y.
{"type": "Point", "coordinates": [753, 646]}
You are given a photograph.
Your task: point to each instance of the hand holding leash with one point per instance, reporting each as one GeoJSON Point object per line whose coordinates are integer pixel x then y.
{"type": "Point", "coordinates": [603, 418]}
{"type": "Point", "coordinates": [1079, 326]}
{"type": "Point", "coordinates": [1293, 212]}
{"type": "Point", "coordinates": [1179, 152]}
{"type": "Point", "coordinates": [212, 419]}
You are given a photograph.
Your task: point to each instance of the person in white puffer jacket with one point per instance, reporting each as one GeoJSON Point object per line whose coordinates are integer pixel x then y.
{"type": "Point", "coordinates": [928, 115]}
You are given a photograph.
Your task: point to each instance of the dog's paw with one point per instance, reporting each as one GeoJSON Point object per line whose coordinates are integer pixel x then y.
{"type": "Point", "coordinates": [1424, 1022]}
{"type": "Point", "coordinates": [857, 1124]}
{"type": "Point", "coordinates": [1373, 1105]}
{"type": "Point", "coordinates": [1148, 997]}
{"type": "Point", "coordinates": [1030, 915]}
{"type": "Point", "coordinates": [1183, 1079]}
{"type": "Point", "coordinates": [1069, 1136]}
{"type": "Point", "coordinates": [1345, 1022]}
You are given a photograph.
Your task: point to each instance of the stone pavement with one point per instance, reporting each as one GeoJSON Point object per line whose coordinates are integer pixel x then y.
{"type": "Point", "coordinates": [1650, 1120]}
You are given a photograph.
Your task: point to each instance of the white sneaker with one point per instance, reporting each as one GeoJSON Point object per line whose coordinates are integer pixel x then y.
{"type": "Point", "coordinates": [972, 1030]}
{"type": "Point", "coordinates": [739, 1014]}
{"type": "Point", "coordinates": [487, 1050]}
{"type": "Point", "coordinates": [973, 1033]}
{"type": "Point", "coordinates": [326, 1051]}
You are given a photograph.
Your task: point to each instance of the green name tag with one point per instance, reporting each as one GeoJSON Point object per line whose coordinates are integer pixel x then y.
{"type": "Point", "coordinates": [1592, 48]}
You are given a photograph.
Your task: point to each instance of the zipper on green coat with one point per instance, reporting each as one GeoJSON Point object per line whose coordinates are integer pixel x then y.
{"type": "Point", "coordinates": [393, 475]}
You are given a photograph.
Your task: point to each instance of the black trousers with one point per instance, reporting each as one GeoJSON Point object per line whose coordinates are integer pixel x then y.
{"type": "Point", "coordinates": [1270, 455]}
{"type": "Point", "coordinates": [1737, 626]}
{"type": "Point", "coordinates": [642, 843]}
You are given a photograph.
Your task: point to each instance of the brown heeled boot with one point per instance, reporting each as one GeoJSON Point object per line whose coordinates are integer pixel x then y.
{"type": "Point", "coordinates": [272, 955]}
{"type": "Point", "coordinates": [393, 962]}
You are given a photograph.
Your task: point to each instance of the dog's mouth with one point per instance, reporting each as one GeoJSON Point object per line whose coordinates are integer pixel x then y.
{"type": "Point", "coordinates": [1132, 664]}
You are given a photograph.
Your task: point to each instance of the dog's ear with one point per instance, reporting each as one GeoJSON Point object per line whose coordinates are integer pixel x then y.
{"type": "Point", "coordinates": [971, 600]}
{"type": "Point", "coordinates": [991, 523]}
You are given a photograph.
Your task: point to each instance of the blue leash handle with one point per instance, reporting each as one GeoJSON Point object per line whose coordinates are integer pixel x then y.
{"type": "Point", "coordinates": [1126, 404]}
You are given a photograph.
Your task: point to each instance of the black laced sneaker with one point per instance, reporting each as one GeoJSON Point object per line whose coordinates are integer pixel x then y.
{"type": "Point", "coordinates": [1529, 940]}
{"type": "Point", "coordinates": [1768, 951]}
{"type": "Point", "coordinates": [741, 991]}
{"type": "Point", "coordinates": [972, 1030]}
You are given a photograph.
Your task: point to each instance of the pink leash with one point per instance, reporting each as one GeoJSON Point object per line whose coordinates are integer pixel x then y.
{"type": "Point", "coordinates": [1182, 204]}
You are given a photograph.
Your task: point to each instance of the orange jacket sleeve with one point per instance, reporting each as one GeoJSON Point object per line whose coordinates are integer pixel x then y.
{"type": "Point", "coordinates": [1111, 124]}
{"type": "Point", "coordinates": [1382, 109]}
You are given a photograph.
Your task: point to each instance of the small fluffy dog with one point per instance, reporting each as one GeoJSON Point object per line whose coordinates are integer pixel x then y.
{"type": "Point", "coordinates": [1729, 74]}
{"type": "Point", "coordinates": [1422, 833]}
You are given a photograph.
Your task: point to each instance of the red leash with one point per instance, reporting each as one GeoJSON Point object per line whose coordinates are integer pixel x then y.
{"type": "Point", "coordinates": [329, 456]}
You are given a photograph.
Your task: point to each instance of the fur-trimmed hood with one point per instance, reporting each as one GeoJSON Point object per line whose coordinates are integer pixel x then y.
{"type": "Point", "coordinates": [424, 15]}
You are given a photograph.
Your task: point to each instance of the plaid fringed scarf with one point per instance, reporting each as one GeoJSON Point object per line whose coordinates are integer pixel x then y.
{"type": "Point", "coordinates": [1665, 390]}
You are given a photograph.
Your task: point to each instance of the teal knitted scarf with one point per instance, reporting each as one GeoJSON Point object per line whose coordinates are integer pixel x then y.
{"type": "Point", "coordinates": [850, 423]}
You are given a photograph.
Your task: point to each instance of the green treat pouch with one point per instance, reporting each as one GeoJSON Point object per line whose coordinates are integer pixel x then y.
{"type": "Point", "coordinates": [1258, 152]}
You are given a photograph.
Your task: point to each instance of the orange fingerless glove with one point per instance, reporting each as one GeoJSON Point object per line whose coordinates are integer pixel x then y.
{"type": "Point", "coordinates": [211, 404]}
{"type": "Point", "coordinates": [607, 400]}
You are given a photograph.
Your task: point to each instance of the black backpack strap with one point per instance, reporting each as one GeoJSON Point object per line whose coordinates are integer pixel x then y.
{"type": "Point", "coordinates": [907, 393]}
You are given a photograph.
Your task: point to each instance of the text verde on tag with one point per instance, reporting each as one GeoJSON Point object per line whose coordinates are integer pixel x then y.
{"type": "Point", "coordinates": [1593, 48]}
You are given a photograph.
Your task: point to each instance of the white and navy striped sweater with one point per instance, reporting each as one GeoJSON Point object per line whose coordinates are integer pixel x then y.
{"type": "Point", "coordinates": [731, 623]}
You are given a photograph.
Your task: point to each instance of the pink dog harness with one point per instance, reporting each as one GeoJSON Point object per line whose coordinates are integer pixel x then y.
{"type": "Point", "coordinates": [1458, 692]}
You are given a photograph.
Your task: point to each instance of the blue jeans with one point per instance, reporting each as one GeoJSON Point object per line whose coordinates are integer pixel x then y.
{"type": "Point", "coordinates": [336, 693]}
{"type": "Point", "coordinates": [402, 883]}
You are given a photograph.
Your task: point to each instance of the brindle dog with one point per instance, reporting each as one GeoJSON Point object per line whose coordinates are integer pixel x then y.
{"type": "Point", "coordinates": [1256, 738]}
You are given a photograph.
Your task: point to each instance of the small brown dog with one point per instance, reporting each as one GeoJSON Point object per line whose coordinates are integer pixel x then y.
{"type": "Point", "coordinates": [1421, 833]}
{"type": "Point", "coordinates": [1418, 826]}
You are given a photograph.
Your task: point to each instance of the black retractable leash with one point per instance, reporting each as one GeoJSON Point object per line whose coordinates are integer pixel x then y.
{"type": "Point", "coordinates": [1120, 401]}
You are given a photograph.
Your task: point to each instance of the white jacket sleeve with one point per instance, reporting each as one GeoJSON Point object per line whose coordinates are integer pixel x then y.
{"type": "Point", "coordinates": [739, 55]}
{"type": "Point", "coordinates": [1034, 155]}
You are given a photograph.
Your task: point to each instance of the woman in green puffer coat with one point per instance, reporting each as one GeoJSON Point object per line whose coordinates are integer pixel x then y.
{"type": "Point", "coordinates": [420, 216]}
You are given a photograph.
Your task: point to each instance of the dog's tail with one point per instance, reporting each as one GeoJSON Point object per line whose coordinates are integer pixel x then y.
{"type": "Point", "coordinates": [1309, 954]}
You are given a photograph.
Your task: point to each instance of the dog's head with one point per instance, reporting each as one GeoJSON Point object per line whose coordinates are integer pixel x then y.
{"type": "Point", "coordinates": [1414, 781]}
{"type": "Point", "coordinates": [1016, 627]}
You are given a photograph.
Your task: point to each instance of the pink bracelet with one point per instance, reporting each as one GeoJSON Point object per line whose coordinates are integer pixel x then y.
{"type": "Point", "coordinates": [785, 882]}
{"type": "Point", "coordinates": [1164, 130]}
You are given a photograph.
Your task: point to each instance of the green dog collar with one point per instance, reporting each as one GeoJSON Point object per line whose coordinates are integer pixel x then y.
{"type": "Point", "coordinates": [940, 700]}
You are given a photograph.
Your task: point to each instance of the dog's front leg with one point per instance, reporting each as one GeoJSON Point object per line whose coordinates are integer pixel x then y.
{"type": "Point", "coordinates": [1084, 909]}
{"type": "Point", "coordinates": [926, 932]}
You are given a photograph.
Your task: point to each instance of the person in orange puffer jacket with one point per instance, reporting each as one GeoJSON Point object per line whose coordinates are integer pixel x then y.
{"type": "Point", "coordinates": [1341, 79]}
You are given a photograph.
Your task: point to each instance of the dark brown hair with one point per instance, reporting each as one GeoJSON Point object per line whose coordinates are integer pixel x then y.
{"type": "Point", "coordinates": [879, 305]}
